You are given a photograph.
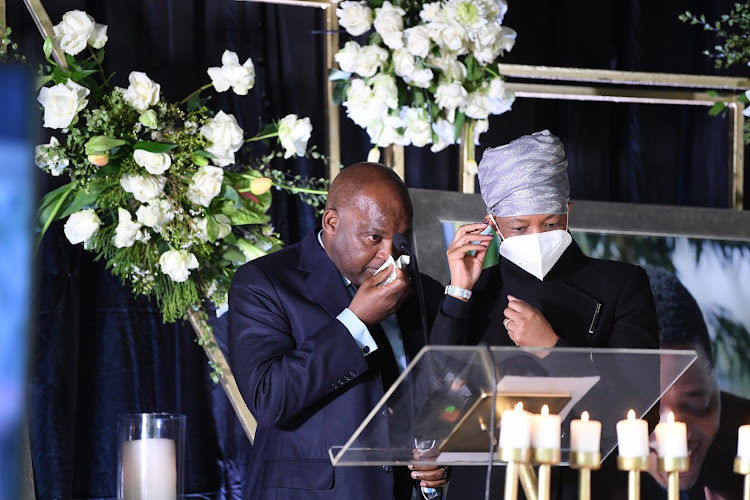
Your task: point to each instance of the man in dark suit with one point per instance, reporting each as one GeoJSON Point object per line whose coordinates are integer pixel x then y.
{"type": "Point", "coordinates": [544, 292]}
{"type": "Point", "coordinates": [316, 337]}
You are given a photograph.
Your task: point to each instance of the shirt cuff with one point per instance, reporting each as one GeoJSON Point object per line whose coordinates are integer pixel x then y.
{"type": "Point", "coordinates": [455, 308]}
{"type": "Point", "coordinates": [358, 331]}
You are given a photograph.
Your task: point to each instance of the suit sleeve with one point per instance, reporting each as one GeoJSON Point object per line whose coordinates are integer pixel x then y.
{"type": "Point", "coordinates": [279, 376]}
{"type": "Point", "coordinates": [451, 324]}
{"type": "Point", "coordinates": [635, 324]}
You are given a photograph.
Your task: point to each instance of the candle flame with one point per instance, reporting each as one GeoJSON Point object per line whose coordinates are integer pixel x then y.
{"type": "Point", "coordinates": [545, 410]}
{"type": "Point", "coordinates": [519, 406]}
{"type": "Point", "coordinates": [585, 416]}
{"type": "Point", "coordinates": [631, 415]}
{"type": "Point", "coordinates": [670, 417]}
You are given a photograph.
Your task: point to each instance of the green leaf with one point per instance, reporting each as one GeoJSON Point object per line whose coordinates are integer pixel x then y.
{"type": "Point", "coordinates": [200, 152]}
{"type": "Point", "coordinates": [102, 144]}
{"type": "Point", "coordinates": [212, 229]}
{"type": "Point", "coordinates": [243, 215]}
{"type": "Point", "coordinates": [154, 147]}
{"type": "Point", "coordinates": [339, 92]}
{"type": "Point", "coordinates": [199, 160]}
{"type": "Point", "coordinates": [194, 103]}
{"type": "Point", "coordinates": [230, 193]}
{"type": "Point", "coordinates": [716, 109]}
{"type": "Point", "coordinates": [460, 118]}
{"type": "Point", "coordinates": [47, 47]}
{"type": "Point", "coordinates": [338, 75]}
{"type": "Point", "coordinates": [234, 254]}
{"type": "Point", "coordinates": [82, 199]}
{"type": "Point", "coordinates": [47, 205]}
{"type": "Point", "coordinates": [251, 251]}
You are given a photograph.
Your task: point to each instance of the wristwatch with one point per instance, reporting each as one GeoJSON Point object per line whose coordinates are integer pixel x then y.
{"type": "Point", "coordinates": [457, 291]}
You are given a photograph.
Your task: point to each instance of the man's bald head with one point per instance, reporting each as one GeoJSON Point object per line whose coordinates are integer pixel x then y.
{"type": "Point", "coordinates": [367, 206]}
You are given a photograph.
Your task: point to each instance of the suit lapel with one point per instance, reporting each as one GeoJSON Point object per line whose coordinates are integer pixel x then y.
{"type": "Point", "coordinates": [324, 280]}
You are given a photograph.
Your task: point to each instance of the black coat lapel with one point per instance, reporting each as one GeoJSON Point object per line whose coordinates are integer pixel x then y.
{"type": "Point", "coordinates": [325, 283]}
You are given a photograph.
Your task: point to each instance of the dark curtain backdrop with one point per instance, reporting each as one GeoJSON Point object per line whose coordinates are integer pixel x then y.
{"type": "Point", "coordinates": [100, 352]}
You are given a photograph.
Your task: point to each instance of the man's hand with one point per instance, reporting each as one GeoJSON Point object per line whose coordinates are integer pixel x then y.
{"type": "Point", "coordinates": [464, 268]}
{"type": "Point", "coordinates": [373, 303]}
{"type": "Point", "coordinates": [526, 326]}
{"type": "Point", "coordinates": [430, 476]}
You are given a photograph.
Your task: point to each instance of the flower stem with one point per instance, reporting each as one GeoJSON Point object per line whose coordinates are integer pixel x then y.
{"type": "Point", "coordinates": [291, 188]}
{"type": "Point", "coordinates": [261, 137]}
{"type": "Point", "coordinates": [98, 65]}
{"type": "Point", "coordinates": [206, 86]}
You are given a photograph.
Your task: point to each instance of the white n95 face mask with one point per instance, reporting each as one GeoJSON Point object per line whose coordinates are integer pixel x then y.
{"type": "Point", "coordinates": [535, 253]}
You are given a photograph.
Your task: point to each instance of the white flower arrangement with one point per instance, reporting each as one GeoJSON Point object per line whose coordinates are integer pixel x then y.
{"type": "Point", "coordinates": [424, 70]}
{"type": "Point", "coordinates": [154, 186]}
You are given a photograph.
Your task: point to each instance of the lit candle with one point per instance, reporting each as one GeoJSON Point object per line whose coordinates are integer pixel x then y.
{"type": "Point", "coordinates": [743, 442]}
{"type": "Point", "coordinates": [671, 438]}
{"type": "Point", "coordinates": [545, 431]}
{"type": "Point", "coordinates": [585, 434]}
{"type": "Point", "coordinates": [632, 437]}
{"type": "Point", "coordinates": [148, 470]}
{"type": "Point", "coordinates": [515, 428]}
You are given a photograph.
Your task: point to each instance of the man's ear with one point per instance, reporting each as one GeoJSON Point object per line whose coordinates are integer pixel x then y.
{"type": "Point", "coordinates": [330, 221]}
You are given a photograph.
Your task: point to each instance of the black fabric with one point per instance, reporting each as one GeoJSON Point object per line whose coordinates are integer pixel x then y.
{"type": "Point", "coordinates": [100, 352]}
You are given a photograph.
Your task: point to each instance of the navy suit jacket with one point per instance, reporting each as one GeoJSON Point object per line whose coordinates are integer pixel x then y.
{"type": "Point", "coordinates": [303, 376]}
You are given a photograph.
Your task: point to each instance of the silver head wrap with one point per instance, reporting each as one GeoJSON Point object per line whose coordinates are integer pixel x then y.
{"type": "Point", "coordinates": [526, 177]}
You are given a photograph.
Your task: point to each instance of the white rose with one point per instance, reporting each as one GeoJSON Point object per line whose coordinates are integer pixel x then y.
{"type": "Point", "coordinates": [500, 99]}
{"type": "Point", "coordinates": [385, 132]}
{"type": "Point", "coordinates": [370, 60]}
{"type": "Point", "coordinates": [156, 214]}
{"type": "Point", "coordinates": [51, 157]}
{"type": "Point", "coordinates": [446, 133]}
{"type": "Point", "coordinates": [155, 163]}
{"type": "Point", "coordinates": [477, 105]}
{"type": "Point", "coordinates": [480, 127]}
{"type": "Point", "coordinates": [177, 264]}
{"type": "Point", "coordinates": [450, 95]}
{"type": "Point", "coordinates": [506, 39]}
{"type": "Point", "coordinates": [144, 188]}
{"type": "Point", "coordinates": [451, 68]}
{"type": "Point", "coordinates": [430, 11]}
{"type": "Point", "coordinates": [451, 38]}
{"type": "Point", "coordinates": [81, 226]}
{"type": "Point", "coordinates": [126, 232]}
{"type": "Point", "coordinates": [78, 29]}
{"type": "Point", "coordinates": [294, 134]}
{"type": "Point", "coordinates": [355, 17]}
{"type": "Point", "coordinates": [418, 41]}
{"type": "Point", "coordinates": [418, 128]}
{"type": "Point", "coordinates": [347, 56]}
{"type": "Point", "coordinates": [421, 78]}
{"type": "Point", "coordinates": [226, 137]}
{"type": "Point", "coordinates": [142, 93]}
{"type": "Point", "coordinates": [231, 74]}
{"type": "Point", "coordinates": [205, 185]}
{"type": "Point", "coordinates": [221, 220]}
{"type": "Point", "coordinates": [403, 63]}
{"type": "Point", "coordinates": [62, 103]}
{"type": "Point", "coordinates": [384, 87]}
{"type": "Point", "coordinates": [361, 105]}
{"type": "Point", "coordinates": [389, 23]}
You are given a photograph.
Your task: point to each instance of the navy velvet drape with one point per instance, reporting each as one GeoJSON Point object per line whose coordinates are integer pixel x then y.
{"type": "Point", "coordinates": [100, 352]}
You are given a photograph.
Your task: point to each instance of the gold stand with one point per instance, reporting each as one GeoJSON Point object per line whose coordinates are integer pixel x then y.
{"type": "Point", "coordinates": [674, 466]}
{"type": "Point", "coordinates": [634, 466]}
{"type": "Point", "coordinates": [585, 462]}
{"type": "Point", "coordinates": [546, 459]}
{"type": "Point", "coordinates": [528, 481]}
{"type": "Point", "coordinates": [742, 466]}
{"type": "Point", "coordinates": [515, 458]}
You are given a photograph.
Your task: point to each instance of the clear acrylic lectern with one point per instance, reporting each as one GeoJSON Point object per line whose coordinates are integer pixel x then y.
{"type": "Point", "coordinates": [440, 408]}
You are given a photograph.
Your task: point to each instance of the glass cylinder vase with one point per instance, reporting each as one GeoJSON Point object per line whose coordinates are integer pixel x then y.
{"type": "Point", "coordinates": [150, 458]}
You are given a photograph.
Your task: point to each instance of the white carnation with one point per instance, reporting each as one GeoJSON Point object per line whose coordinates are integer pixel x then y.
{"type": "Point", "coordinates": [144, 188]}
{"type": "Point", "coordinates": [370, 60]}
{"type": "Point", "coordinates": [389, 23]}
{"type": "Point", "coordinates": [205, 185]}
{"type": "Point", "coordinates": [384, 88]}
{"type": "Point", "coordinates": [418, 129]}
{"type": "Point", "coordinates": [62, 103]}
{"type": "Point", "coordinates": [81, 226]}
{"type": "Point", "coordinates": [450, 67]}
{"type": "Point", "coordinates": [78, 29]}
{"type": "Point", "coordinates": [418, 41]}
{"type": "Point", "coordinates": [446, 134]}
{"type": "Point", "coordinates": [385, 132]}
{"type": "Point", "coordinates": [480, 127]}
{"type": "Point", "coordinates": [430, 11]}
{"type": "Point", "coordinates": [226, 137]}
{"type": "Point", "coordinates": [361, 105]}
{"type": "Point", "coordinates": [127, 231]}
{"type": "Point", "coordinates": [51, 157]}
{"type": "Point", "coordinates": [294, 134]}
{"type": "Point", "coordinates": [354, 17]}
{"type": "Point", "coordinates": [231, 74]}
{"type": "Point", "coordinates": [500, 99]}
{"type": "Point", "coordinates": [477, 104]}
{"type": "Point", "coordinates": [143, 92]}
{"type": "Point", "coordinates": [154, 163]}
{"type": "Point", "coordinates": [420, 78]}
{"type": "Point", "coordinates": [177, 264]}
{"type": "Point", "coordinates": [347, 56]}
{"type": "Point", "coordinates": [450, 96]}
{"type": "Point", "coordinates": [403, 63]}
{"type": "Point", "coordinates": [155, 214]}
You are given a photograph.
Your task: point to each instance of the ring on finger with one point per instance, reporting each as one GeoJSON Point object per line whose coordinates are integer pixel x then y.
{"type": "Point", "coordinates": [445, 473]}
{"type": "Point", "coordinates": [505, 323]}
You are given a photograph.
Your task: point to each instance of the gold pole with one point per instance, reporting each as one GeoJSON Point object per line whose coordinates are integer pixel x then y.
{"type": "Point", "coordinates": [673, 486]}
{"type": "Point", "coordinates": [511, 480]}
{"type": "Point", "coordinates": [634, 466]}
{"type": "Point", "coordinates": [737, 154]}
{"type": "Point", "coordinates": [467, 164]}
{"type": "Point", "coordinates": [528, 481]}
{"type": "Point", "coordinates": [3, 24]}
{"type": "Point", "coordinates": [393, 156]}
{"type": "Point", "coordinates": [634, 485]}
{"type": "Point", "coordinates": [673, 465]}
{"type": "Point", "coordinates": [43, 23]}
{"type": "Point", "coordinates": [332, 110]}
{"type": "Point", "coordinates": [545, 480]}
{"type": "Point", "coordinates": [746, 491]}
{"type": "Point", "coordinates": [584, 483]}
{"type": "Point", "coordinates": [742, 466]}
{"type": "Point", "coordinates": [585, 462]}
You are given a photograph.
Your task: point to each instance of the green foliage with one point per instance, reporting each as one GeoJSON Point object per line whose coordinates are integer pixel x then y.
{"type": "Point", "coordinates": [732, 31]}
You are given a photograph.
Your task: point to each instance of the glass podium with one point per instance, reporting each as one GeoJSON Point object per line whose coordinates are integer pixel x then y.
{"type": "Point", "coordinates": [439, 410]}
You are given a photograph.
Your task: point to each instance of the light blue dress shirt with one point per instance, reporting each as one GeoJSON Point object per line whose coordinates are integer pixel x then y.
{"type": "Point", "coordinates": [361, 334]}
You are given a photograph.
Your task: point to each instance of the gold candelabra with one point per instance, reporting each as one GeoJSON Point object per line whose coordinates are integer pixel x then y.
{"type": "Point", "coordinates": [585, 462]}
{"type": "Point", "coordinates": [634, 466]}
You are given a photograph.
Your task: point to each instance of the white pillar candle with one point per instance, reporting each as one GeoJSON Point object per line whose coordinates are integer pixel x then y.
{"type": "Point", "coordinates": [585, 434]}
{"type": "Point", "coordinates": [149, 470]}
{"type": "Point", "coordinates": [545, 431]}
{"type": "Point", "coordinates": [671, 438]}
{"type": "Point", "coordinates": [515, 428]}
{"type": "Point", "coordinates": [743, 442]}
{"type": "Point", "coordinates": [632, 437]}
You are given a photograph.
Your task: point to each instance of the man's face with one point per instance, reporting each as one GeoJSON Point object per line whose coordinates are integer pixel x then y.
{"type": "Point", "coordinates": [528, 224]}
{"type": "Point", "coordinates": [359, 236]}
{"type": "Point", "coordinates": [694, 399]}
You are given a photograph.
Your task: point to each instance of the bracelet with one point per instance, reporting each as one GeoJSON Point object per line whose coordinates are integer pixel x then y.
{"type": "Point", "coordinates": [457, 291]}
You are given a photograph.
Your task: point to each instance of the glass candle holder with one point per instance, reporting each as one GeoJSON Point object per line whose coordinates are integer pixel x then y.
{"type": "Point", "coordinates": [150, 457]}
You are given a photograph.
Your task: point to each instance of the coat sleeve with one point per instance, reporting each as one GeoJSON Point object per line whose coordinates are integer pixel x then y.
{"type": "Point", "coordinates": [635, 324]}
{"type": "Point", "coordinates": [279, 372]}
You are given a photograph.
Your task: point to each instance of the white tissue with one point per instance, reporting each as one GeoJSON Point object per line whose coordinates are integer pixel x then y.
{"type": "Point", "coordinates": [399, 263]}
